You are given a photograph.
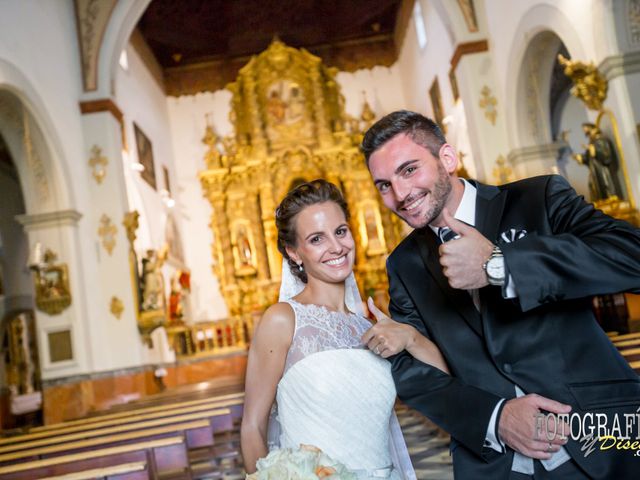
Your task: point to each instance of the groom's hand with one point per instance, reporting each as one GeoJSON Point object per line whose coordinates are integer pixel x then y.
{"type": "Point", "coordinates": [462, 259]}
{"type": "Point", "coordinates": [523, 427]}
{"type": "Point", "coordinates": [387, 337]}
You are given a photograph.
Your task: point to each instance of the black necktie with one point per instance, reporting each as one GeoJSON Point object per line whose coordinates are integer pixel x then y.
{"type": "Point", "coordinates": [446, 234]}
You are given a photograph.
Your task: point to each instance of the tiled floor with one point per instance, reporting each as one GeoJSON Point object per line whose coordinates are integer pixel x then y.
{"type": "Point", "coordinates": [428, 449]}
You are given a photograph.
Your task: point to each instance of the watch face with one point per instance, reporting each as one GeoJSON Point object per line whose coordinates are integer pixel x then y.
{"type": "Point", "coordinates": [495, 268]}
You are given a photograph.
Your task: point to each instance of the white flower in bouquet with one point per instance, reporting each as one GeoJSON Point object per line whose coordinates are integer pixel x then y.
{"type": "Point", "coordinates": [304, 463]}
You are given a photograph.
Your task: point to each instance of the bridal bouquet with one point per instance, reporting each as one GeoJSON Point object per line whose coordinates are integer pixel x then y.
{"type": "Point", "coordinates": [304, 463]}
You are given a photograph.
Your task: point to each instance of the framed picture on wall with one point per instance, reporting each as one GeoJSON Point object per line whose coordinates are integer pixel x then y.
{"type": "Point", "coordinates": [145, 157]}
{"type": "Point", "coordinates": [436, 104]}
{"type": "Point", "coordinates": [454, 85]}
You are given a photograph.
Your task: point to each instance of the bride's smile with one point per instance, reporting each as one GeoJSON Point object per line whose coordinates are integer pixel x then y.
{"type": "Point", "coordinates": [325, 247]}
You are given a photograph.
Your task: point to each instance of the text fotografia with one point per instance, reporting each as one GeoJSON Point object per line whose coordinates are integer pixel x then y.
{"type": "Point", "coordinates": [593, 430]}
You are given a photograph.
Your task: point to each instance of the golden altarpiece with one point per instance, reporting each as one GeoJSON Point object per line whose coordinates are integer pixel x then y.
{"type": "Point", "coordinates": [290, 127]}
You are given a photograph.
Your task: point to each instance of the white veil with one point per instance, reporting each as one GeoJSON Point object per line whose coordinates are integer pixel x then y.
{"type": "Point", "coordinates": [289, 288]}
{"type": "Point", "coordinates": [292, 286]}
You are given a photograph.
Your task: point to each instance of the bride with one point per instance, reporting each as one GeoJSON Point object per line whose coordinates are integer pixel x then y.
{"type": "Point", "coordinates": [308, 355]}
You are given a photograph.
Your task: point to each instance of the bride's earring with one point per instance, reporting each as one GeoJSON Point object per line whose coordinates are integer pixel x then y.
{"type": "Point", "coordinates": [300, 267]}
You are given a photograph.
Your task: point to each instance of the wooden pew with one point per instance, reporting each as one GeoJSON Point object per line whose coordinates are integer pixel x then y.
{"type": "Point", "coordinates": [197, 434]}
{"type": "Point", "coordinates": [631, 354]}
{"type": "Point", "coordinates": [220, 420]}
{"type": "Point", "coordinates": [626, 336]}
{"type": "Point", "coordinates": [233, 402]}
{"type": "Point", "coordinates": [620, 344]}
{"type": "Point", "coordinates": [163, 456]}
{"type": "Point", "coordinates": [185, 392]}
{"type": "Point", "coordinates": [124, 471]}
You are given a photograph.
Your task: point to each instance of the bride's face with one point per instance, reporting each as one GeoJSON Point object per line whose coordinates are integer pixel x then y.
{"type": "Point", "coordinates": [324, 242]}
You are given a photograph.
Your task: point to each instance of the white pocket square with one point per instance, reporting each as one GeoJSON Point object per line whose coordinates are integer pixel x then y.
{"type": "Point", "coordinates": [512, 235]}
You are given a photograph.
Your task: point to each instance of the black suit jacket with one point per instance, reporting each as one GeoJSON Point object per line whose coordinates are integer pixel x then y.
{"type": "Point", "coordinates": [546, 341]}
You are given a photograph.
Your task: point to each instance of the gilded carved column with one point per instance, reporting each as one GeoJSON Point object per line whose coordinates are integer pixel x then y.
{"type": "Point", "coordinates": [267, 211]}
{"type": "Point", "coordinates": [324, 133]}
{"type": "Point", "coordinates": [221, 247]}
{"type": "Point", "coordinates": [258, 141]}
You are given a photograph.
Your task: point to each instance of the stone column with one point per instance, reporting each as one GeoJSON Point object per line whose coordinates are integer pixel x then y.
{"type": "Point", "coordinates": [114, 312]}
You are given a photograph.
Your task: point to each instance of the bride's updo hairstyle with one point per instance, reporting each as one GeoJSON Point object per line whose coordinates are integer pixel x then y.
{"type": "Point", "coordinates": [301, 197]}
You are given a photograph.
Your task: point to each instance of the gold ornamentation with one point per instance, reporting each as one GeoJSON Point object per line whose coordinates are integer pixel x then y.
{"type": "Point", "coordinates": [503, 173]}
{"type": "Point", "coordinates": [290, 127]}
{"type": "Point", "coordinates": [618, 208]}
{"type": "Point", "coordinates": [461, 170]}
{"type": "Point", "coordinates": [488, 103]}
{"type": "Point", "coordinates": [371, 229]}
{"type": "Point", "coordinates": [589, 85]}
{"type": "Point", "coordinates": [130, 223]}
{"type": "Point", "coordinates": [107, 232]}
{"type": "Point", "coordinates": [98, 162]}
{"type": "Point", "coordinates": [116, 307]}
{"type": "Point", "coordinates": [53, 293]}
{"type": "Point", "coordinates": [367, 116]}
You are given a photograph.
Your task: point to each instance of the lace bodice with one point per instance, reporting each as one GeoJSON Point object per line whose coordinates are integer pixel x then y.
{"type": "Point", "coordinates": [337, 395]}
{"type": "Point", "coordinates": [318, 329]}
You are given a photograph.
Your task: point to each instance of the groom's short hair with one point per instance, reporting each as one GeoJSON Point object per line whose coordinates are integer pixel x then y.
{"type": "Point", "coordinates": [422, 130]}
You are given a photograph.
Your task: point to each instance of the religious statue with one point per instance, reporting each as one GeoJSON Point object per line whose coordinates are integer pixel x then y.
{"type": "Point", "coordinates": [20, 358]}
{"type": "Point", "coordinates": [589, 85]}
{"type": "Point", "coordinates": [180, 288]}
{"type": "Point", "coordinates": [600, 156]}
{"type": "Point", "coordinates": [276, 107]}
{"type": "Point", "coordinates": [152, 282]}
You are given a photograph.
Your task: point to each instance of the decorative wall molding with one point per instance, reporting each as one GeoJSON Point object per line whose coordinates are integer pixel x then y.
{"type": "Point", "coordinates": [49, 219]}
{"type": "Point", "coordinates": [107, 233]}
{"type": "Point", "coordinates": [116, 307]}
{"type": "Point", "coordinates": [466, 49]}
{"type": "Point", "coordinates": [488, 104]}
{"type": "Point", "coordinates": [620, 65]}
{"type": "Point", "coordinates": [98, 164]}
{"type": "Point", "coordinates": [92, 18]}
{"type": "Point", "coordinates": [535, 152]}
{"type": "Point", "coordinates": [102, 105]}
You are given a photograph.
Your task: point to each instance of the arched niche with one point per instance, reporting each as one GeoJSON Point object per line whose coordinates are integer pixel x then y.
{"type": "Point", "coordinates": [540, 35]}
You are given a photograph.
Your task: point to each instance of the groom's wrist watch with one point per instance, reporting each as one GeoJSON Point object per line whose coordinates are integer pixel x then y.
{"type": "Point", "coordinates": [494, 267]}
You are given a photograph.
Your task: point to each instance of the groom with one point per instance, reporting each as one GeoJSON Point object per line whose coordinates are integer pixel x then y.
{"type": "Point", "coordinates": [500, 278]}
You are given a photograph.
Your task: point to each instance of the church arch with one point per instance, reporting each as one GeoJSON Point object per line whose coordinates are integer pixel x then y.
{"type": "Point", "coordinates": [34, 144]}
{"type": "Point", "coordinates": [124, 18]}
{"type": "Point", "coordinates": [541, 33]}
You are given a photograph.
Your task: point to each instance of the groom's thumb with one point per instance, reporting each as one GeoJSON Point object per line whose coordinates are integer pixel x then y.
{"type": "Point", "coordinates": [454, 224]}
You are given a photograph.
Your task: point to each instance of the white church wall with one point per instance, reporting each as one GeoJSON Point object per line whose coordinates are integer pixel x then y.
{"type": "Point", "coordinates": [381, 87]}
{"type": "Point", "coordinates": [142, 103]}
{"type": "Point", "coordinates": [418, 67]}
{"type": "Point", "coordinates": [187, 117]}
{"type": "Point", "coordinates": [39, 62]}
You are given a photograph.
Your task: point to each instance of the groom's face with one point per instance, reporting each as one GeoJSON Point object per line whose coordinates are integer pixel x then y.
{"type": "Point", "coordinates": [413, 183]}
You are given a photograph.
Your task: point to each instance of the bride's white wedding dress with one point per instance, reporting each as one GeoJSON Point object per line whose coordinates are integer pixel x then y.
{"type": "Point", "coordinates": [339, 396]}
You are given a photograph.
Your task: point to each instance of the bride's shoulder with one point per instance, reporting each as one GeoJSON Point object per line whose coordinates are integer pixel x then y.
{"type": "Point", "coordinates": [279, 316]}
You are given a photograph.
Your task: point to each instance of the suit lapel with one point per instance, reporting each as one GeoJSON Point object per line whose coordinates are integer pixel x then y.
{"type": "Point", "coordinates": [460, 299]}
{"type": "Point", "coordinates": [490, 203]}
